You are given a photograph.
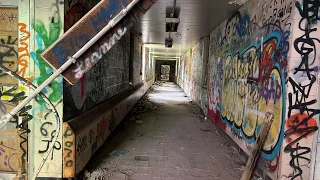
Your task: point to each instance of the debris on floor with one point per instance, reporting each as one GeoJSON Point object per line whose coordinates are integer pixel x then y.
{"type": "Point", "coordinates": [165, 141]}
{"type": "Point", "coordinates": [144, 105]}
{"type": "Point", "coordinates": [119, 153]}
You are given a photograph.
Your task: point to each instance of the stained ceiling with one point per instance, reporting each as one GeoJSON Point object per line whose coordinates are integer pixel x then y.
{"type": "Point", "coordinates": [197, 19]}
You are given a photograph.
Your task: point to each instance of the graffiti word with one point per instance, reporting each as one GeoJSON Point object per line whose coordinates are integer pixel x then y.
{"type": "Point", "coordinates": [8, 54]}
{"type": "Point", "coordinates": [83, 66]}
{"type": "Point", "coordinates": [8, 17]}
{"type": "Point", "coordinates": [68, 160]}
{"type": "Point", "coordinates": [44, 132]}
{"type": "Point", "coordinates": [301, 122]}
{"type": "Point", "coordinates": [23, 50]}
{"type": "Point", "coordinates": [252, 84]}
{"type": "Point", "coordinates": [274, 10]}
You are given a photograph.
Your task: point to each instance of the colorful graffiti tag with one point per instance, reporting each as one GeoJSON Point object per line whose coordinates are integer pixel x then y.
{"type": "Point", "coordinates": [247, 75]}
{"type": "Point", "coordinates": [302, 102]}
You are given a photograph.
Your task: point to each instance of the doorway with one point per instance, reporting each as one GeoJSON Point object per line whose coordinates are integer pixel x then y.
{"type": "Point", "coordinates": [165, 72]}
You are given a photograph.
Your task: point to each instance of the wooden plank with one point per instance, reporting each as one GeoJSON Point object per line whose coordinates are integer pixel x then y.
{"type": "Point", "coordinates": [8, 43]}
{"type": "Point", "coordinates": [85, 29]}
{"type": "Point", "coordinates": [9, 140]}
{"type": "Point", "coordinates": [68, 152]}
{"type": "Point", "coordinates": [255, 153]}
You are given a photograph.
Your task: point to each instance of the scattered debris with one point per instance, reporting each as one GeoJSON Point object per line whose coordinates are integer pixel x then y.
{"type": "Point", "coordinates": [141, 158]}
{"type": "Point", "coordinates": [205, 130]}
{"type": "Point", "coordinates": [139, 122]}
{"type": "Point", "coordinates": [119, 153]}
{"type": "Point", "coordinates": [138, 134]}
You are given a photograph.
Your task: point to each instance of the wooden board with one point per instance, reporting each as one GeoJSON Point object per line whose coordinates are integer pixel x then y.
{"type": "Point", "coordinates": [9, 145]}
{"type": "Point", "coordinates": [88, 26]}
{"type": "Point", "coordinates": [8, 43]}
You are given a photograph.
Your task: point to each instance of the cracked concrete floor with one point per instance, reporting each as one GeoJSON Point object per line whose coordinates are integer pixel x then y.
{"type": "Point", "coordinates": [172, 142]}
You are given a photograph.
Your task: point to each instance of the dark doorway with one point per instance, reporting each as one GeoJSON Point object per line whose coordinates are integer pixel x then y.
{"type": "Point", "coordinates": [165, 72]}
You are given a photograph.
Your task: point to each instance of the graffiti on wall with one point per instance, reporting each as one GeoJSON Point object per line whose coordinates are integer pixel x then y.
{"type": "Point", "coordinates": [186, 74]}
{"type": "Point", "coordinates": [196, 71]}
{"type": "Point", "coordinates": [248, 92]}
{"type": "Point", "coordinates": [302, 97]}
{"type": "Point", "coordinates": [90, 138]}
{"type": "Point", "coordinates": [247, 75]}
{"type": "Point", "coordinates": [10, 155]}
{"type": "Point", "coordinates": [44, 38]}
{"type": "Point", "coordinates": [10, 92]}
{"type": "Point", "coordinates": [24, 55]}
{"type": "Point", "coordinates": [148, 65]}
{"type": "Point", "coordinates": [97, 19]}
{"type": "Point", "coordinates": [109, 76]}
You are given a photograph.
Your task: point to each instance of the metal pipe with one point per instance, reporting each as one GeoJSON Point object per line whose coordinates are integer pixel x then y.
{"type": "Point", "coordinates": [5, 119]}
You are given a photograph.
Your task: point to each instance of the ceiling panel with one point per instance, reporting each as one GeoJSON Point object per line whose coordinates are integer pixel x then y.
{"type": "Point", "coordinates": [197, 19]}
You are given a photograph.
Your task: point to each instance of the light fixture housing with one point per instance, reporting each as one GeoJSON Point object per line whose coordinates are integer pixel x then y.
{"type": "Point", "coordinates": [168, 42]}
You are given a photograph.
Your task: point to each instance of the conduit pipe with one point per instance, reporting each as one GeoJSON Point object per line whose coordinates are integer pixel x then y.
{"type": "Point", "coordinates": [6, 118]}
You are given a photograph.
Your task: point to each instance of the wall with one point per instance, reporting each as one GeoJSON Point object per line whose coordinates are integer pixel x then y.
{"type": "Point", "coordinates": [263, 59]}
{"type": "Point", "coordinates": [45, 23]}
{"type": "Point", "coordinates": [9, 146]}
{"type": "Point", "coordinates": [105, 79]}
{"type": "Point", "coordinates": [149, 69]}
{"type": "Point", "coordinates": [82, 138]}
{"type": "Point", "coordinates": [247, 71]}
{"type": "Point", "coordinates": [137, 60]}
{"type": "Point", "coordinates": [35, 25]}
{"type": "Point", "coordinates": [184, 79]}
{"type": "Point", "coordinates": [191, 73]}
{"type": "Point", "coordinates": [302, 105]}
{"type": "Point", "coordinates": [109, 76]}
{"type": "Point", "coordinates": [28, 31]}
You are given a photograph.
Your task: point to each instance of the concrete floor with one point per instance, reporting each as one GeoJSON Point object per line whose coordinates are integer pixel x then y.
{"type": "Point", "coordinates": [171, 141]}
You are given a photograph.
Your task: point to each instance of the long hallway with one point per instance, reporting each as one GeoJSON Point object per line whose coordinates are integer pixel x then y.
{"type": "Point", "coordinates": [170, 140]}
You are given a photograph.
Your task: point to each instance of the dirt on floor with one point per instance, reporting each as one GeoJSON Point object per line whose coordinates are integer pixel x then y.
{"type": "Point", "coordinates": [165, 136]}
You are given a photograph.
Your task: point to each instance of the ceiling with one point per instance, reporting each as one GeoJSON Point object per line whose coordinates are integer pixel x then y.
{"type": "Point", "coordinates": [197, 19]}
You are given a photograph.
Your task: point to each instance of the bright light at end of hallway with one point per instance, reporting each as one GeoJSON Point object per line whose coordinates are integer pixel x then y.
{"type": "Point", "coordinates": [168, 92]}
